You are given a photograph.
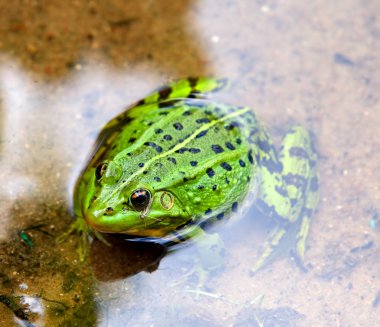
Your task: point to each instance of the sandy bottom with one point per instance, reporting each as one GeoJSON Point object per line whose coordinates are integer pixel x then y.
{"type": "Point", "coordinates": [66, 68]}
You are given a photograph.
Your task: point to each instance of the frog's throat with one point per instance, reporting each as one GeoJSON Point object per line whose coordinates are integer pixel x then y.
{"type": "Point", "coordinates": [177, 147]}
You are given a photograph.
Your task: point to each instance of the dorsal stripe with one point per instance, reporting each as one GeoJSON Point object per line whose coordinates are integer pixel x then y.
{"type": "Point", "coordinates": [178, 146]}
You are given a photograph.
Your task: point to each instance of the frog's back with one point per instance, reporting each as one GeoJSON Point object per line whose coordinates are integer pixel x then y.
{"type": "Point", "coordinates": [197, 149]}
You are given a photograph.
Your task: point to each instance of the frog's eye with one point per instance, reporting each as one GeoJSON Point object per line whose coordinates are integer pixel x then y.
{"type": "Point", "coordinates": [140, 199]}
{"type": "Point", "coordinates": [99, 171]}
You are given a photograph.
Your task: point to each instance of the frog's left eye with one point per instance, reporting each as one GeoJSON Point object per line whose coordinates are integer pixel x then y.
{"type": "Point", "coordinates": [99, 171]}
{"type": "Point", "coordinates": [140, 199]}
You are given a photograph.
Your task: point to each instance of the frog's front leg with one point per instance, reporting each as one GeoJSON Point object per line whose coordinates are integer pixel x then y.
{"type": "Point", "coordinates": [288, 192]}
{"type": "Point", "coordinates": [210, 255]}
{"type": "Point", "coordinates": [82, 231]}
{"type": "Point", "coordinates": [79, 225]}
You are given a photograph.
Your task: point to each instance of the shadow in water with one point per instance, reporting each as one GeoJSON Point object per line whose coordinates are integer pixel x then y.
{"type": "Point", "coordinates": [124, 258]}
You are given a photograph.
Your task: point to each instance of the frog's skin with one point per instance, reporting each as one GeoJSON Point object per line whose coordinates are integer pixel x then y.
{"type": "Point", "coordinates": [176, 162]}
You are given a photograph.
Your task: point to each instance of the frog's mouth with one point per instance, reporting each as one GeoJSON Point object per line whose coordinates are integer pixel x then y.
{"type": "Point", "coordinates": [157, 221]}
{"type": "Point", "coordinates": [148, 226]}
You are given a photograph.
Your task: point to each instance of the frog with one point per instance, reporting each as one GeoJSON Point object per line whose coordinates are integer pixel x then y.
{"type": "Point", "coordinates": [178, 162]}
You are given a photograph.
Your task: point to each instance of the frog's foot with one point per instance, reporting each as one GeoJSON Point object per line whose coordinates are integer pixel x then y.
{"type": "Point", "coordinates": [290, 240]}
{"type": "Point", "coordinates": [81, 229]}
{"type": "Point", "coordinates": [210, 250]}
{"type": "Point", "coordinates": [198, 274]}
{"type": "Point", "coordinates": [211, 257]}
{"type": "Point", "coordinates": [269, 249]}
{"type": "Point", "coordinates": [276, 246]}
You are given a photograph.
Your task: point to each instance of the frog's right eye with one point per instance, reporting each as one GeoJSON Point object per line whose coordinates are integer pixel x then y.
{"type": "Point", "coordinates": [99, 171]}
{"type": "Point", "coordinates": [140, 199]}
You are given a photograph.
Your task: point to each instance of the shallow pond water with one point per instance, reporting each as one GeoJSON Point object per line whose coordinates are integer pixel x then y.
{"type": "Point", "coordinates": [67, 68]}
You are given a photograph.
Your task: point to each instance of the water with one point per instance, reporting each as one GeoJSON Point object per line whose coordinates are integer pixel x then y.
{"type": "Point", "coordinates": [66, 70]}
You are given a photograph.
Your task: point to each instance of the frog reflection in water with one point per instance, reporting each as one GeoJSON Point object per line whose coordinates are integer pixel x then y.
{"type": "Point", "coordinates": [177, 162]}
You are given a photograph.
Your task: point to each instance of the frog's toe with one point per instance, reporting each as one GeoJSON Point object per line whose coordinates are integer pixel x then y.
{"type": "Point", "coordinates": [64, 236]}
{"type": "Point", "coordinates": [210, 250]}
{"type": "Point", "coordinates": [301, 237]}
{"type": "Point", "coordinates": [79, 227]}
{"type": "Point", "coordinates": [270, 250]}
{"type": "Point", "coordinates": [82, 247]}
{"type": "Point", "coordinates": [100, 237]}
{"type": "Point", "coordinates": [298, 261]}
{"type": "Point", "coordinates": [196, 279]}
{"type": "Point", "coordinates": [198, 276]}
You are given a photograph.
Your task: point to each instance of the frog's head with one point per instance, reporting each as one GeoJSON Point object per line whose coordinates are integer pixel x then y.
{"type": "Point", "coordinates": [114, 204]}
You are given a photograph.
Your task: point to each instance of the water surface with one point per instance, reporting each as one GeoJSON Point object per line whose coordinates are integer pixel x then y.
{"type": "Point", "coordinates": [68, 68]}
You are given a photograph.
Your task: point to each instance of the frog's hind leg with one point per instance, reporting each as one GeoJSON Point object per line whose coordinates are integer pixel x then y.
{"type": "Point", "coordinates": [307, 212]}
{"type": "Point", "coordinates": [273, 200]}
{"type": "Point", "coordinates": [300, 177]}
{"type": "Point", "coordinates": [189, 88]}
{"type": "Point", "coordinates": [289, 193]}
{"type": "Point", "coordinates": [269, 252]}
{"type": "Point", "coordinates": [186, 88]}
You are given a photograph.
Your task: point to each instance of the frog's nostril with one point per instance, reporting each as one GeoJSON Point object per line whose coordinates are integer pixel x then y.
{"type": "Point", "coordinates": [109, 211]}
{"type": "Point", "coordinates": [91, 201]}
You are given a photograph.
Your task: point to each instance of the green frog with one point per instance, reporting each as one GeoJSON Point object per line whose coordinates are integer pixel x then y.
{"type": "Point", "coordinates": [177, 162]}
